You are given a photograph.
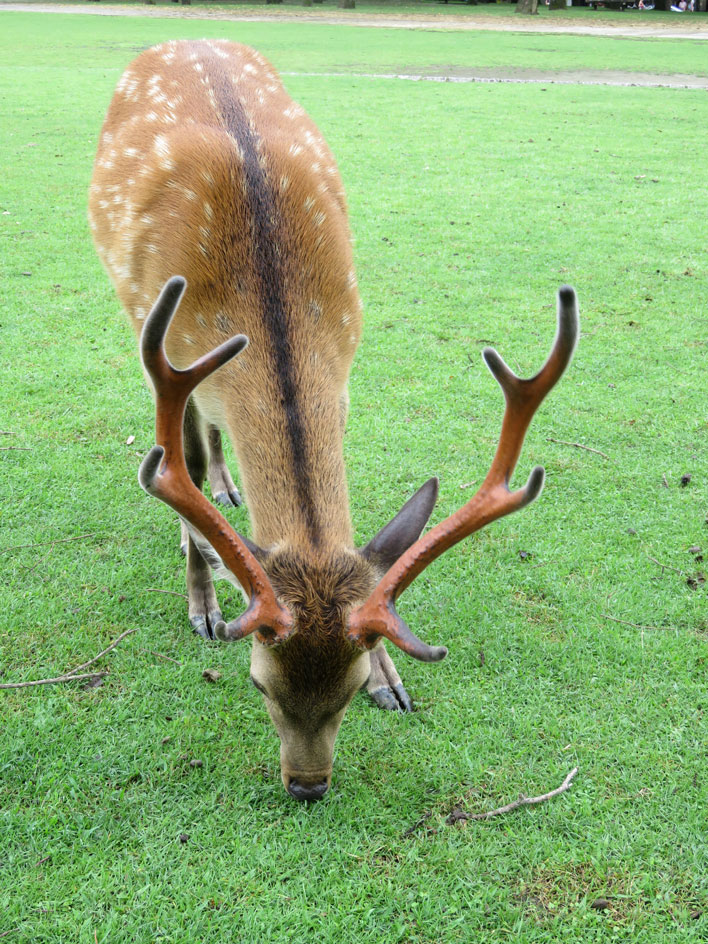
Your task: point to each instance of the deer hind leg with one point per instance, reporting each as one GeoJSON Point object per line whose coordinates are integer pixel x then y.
{"type": "Point", "coordinates": [204, 612]}
{"type": "Point", "coordinates": [384, 684]}
{"type": "Point", "coordinates": [223, 490]}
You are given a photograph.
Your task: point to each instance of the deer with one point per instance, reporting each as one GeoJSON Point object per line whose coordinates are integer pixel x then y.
{"type": "Point", "coordinates": [220, 216]}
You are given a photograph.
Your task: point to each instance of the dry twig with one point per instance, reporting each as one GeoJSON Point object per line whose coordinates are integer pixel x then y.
{"type": "Point", "coordinates": [85, 665]}
{"type": "Point", "coordinates": [52, 681]}
{"type": "Point", "coordinates": [16, 448]}
{"type": "Point", "coordinates": [636, 625]}
{"type": "Point", "coordinates": [459, 815]}
{"type": "Point", "coordinates": [160, 655]}
{"type": "Point", "coordinates": [21, 547]}
{"type": "Point", "coordinates": [71, 675]}
{"type": "Point", "coordinates": [563, 442]}
{"type": "Point", "coordinates": [172, 593]}
{"type": "Point", "coordinates": [411, 829]}
{"type": "Point", "coordinates": [667, 566]}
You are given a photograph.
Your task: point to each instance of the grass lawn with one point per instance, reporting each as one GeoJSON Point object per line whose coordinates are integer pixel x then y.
{"type": "Point", "coordinates": [470, 204]}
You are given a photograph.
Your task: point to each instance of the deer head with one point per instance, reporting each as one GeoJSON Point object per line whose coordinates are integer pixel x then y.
{"type": "Point", "coordinates": [316, 616]}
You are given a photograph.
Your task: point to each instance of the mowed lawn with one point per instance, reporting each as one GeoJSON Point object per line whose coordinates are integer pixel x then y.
{"type": "Point", "coordinates": [577, 629]}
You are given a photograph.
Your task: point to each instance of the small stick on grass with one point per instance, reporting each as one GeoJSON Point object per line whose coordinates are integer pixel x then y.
{"type": "Point", "coordinates": [458, 815]}
{"type": "Point", "coordinates": [85, 665]}
{"type": "Point", "coordinates": [11, 931]}
{"type": "Point", "coordinates": [563, 442]}
{"type": "Point", "coordinates": [16, 448]}
{"type": "Point", "coordinates": [412, 829]}
{"type": "Point", "coordinates": [172, 593]}
{"type": "Point", "coordinates": [667, 566]}
{"type": "Point", "coordinates": [160, 655]}
{"type": "Point", "coordinates": [660, 629]}
{"type": "Point", "coordinates": [71, 675]}
{"type": "Point", "coordinates": [53, 681]}
{"type": "Point", "coordinates": [21, 547]}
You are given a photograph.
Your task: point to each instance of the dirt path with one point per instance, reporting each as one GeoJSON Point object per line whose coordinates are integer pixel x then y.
{"type": "Point", "coordinates": [687, 27]}
{"type": "Point", "coordinates": [532, 76]}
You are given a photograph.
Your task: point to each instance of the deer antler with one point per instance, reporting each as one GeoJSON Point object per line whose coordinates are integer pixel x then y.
{"type": "Point", "coordinates": [377, 616]}
{"type": "Point", "coordinates": [163, 472]}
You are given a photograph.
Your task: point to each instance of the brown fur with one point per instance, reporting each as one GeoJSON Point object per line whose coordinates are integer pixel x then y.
{"type": "Point", "coordinates": [207, 169]}
{"type": "Point", "coordinates": [314, 663]}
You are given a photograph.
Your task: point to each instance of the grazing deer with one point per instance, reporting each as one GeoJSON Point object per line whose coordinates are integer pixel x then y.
{"type": "Point", "coordinates": [206, 167]}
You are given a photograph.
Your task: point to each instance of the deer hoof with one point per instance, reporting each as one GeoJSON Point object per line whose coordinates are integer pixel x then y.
{"type": "Point", "coordinates": [204, 624]}
{"type": "Point", "coordinates": [392, 698]}
{"type": "Point", "coordinates": [231, 498]}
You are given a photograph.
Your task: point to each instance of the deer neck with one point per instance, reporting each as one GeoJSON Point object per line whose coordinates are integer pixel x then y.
{"type": "Point", "coordinates": [292, 470]}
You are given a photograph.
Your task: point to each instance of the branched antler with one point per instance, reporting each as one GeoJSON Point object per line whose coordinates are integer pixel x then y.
{"type": "Point", "coordinates": [377, 616]}
{"type": "Point", "coordinates": [164, 474]}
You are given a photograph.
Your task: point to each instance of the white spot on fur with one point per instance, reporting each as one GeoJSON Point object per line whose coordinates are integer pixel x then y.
{"type": "Point", "coordinates": [162, 149]}
{"type": "Point", "coordinates": [208, 211]}
{"type": "Point", "coordinates": [309, 203]}
{"type": "Point", "coordinates": [295, 149]}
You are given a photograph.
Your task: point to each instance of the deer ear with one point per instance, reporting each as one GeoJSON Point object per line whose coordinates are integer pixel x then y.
{"type": "Point", "coordinates": [398, 535]}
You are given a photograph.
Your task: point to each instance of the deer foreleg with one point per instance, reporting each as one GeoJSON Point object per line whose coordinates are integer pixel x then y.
{"type": "Point", "coordinates": [223, 490]}
{"type": "Point", "coordinates": [384, 684]}
{"type": "Point", "coordinates": [204, 612]}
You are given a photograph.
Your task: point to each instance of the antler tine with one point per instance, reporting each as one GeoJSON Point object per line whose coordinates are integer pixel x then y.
{"type": "Point", "coordinates": [163, 472]}
{"type": "Point", "coordinates": [377, 616]}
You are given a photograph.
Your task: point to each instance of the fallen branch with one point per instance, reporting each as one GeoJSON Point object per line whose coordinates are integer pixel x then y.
{"type": "Point", "coordinates": [172, 593]}
{"type": "Point", "coordinates": [160, 655]}
{"type": "Point", "coordinates": [667, 566]}
{"type": "Point", "coordinates": [52, 681]}
{"type": "Point", "coordinates": [21, 547]}
{"type": "Point", "coordinates": [85, 665]}
{"type": "Point", "coordinates": [635, 625]}
{"type": "Point", "coordinates": [458, 815]}
{"type": "Point", "coordinates": [411, 829]}
{"type": "Point", "coordinates": [71, 675]}
{"type": "Point", "coordinates": [563, 442]}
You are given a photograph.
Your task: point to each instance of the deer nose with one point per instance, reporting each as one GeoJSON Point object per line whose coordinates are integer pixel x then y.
{"type": "Point", "coordinates": [309, 791]}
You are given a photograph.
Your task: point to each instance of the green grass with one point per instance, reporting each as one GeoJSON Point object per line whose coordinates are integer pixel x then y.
{"type": "Point", "coordinates": [470, 205]}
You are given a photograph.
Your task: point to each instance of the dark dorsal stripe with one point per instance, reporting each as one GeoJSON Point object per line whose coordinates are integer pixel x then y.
{"type": "Point", "coordinates": [268, 271]}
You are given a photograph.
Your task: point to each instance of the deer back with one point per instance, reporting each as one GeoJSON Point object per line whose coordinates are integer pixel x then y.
{"type": "Point", "coordinates": [207, 167]}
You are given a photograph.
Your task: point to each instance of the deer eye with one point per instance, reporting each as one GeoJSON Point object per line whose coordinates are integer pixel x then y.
{"type": "Point", "coordinates": [259, 687]}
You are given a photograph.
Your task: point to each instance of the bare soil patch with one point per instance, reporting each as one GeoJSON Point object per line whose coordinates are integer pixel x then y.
{"type": "Point", "coordinates": [532, 76]}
